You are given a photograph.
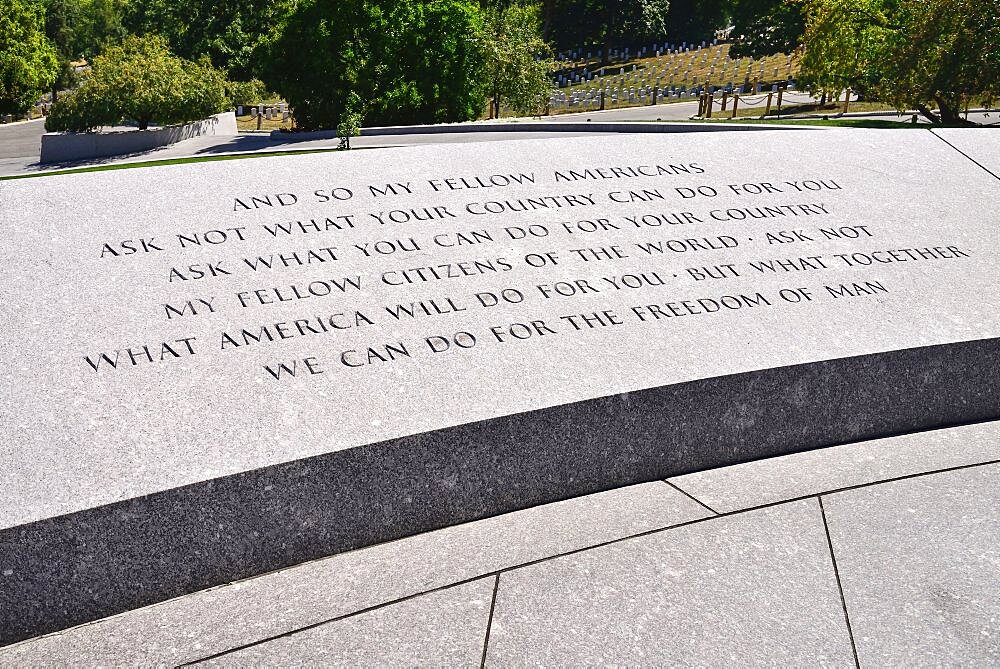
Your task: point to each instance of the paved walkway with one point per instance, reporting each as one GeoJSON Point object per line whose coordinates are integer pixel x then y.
{"type": "Point", "coordinates": [881, 553]}
{"type": "Point", "coordinates": [20, 143]}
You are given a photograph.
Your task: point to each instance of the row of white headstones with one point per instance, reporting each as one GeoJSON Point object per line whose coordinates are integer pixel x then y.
{"type": "Point", "coordinates": [269, 112]}
{"type": "Point", "coordinates": [669, 61]}
{"type": "Point", "coordinates": [627, 53]}
{"type": "Point", "coordinates": [591, 98]}
{"type": "Point", "coordinates": [661, 77]}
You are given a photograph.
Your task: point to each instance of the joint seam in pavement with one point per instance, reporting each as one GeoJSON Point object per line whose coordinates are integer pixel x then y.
{"type": "Point", "coordinates": [630, 537]}
{"type": "Point", "coordinates": [689, 496]}
{"type": "Point", "coordinates": [988, 170]}
{"type": "Point", "coordinates": [489, 622]}
{"type": "Point", "coordinates": [840, 586]}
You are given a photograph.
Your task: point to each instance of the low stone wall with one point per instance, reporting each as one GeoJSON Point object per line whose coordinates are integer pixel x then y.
{"type": "Point", "coordinates": [64, 147]}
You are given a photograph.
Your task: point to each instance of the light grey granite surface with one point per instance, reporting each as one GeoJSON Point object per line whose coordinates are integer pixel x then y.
{"type": "Point", "coordinates": [802, 474]}
{"type": "Point", "coordinates": [78, 438]}
{"type": "Point", "coordinates": [919, 561]}
{"type": "Point", "coordinates": [211, 621]}
{"type": "Point", "coordinates": [980, 144]}
{"type": "Point", "coordinates": [749, 590]}
{"type": "Point", "coordinates": [446, 628]}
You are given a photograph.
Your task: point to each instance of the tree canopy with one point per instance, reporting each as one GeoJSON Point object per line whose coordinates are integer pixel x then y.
{"type": "Point", "coordinates": [29, 62]}
{"type": "Point", "coordinates": [945, 52]}
{"type": "Point", "coordinates": [229, 32]}
{"type": "Point", "coordinates": [79, 29]}
{"type": "Point", "coordinates": [766, 27]}
{"type": "Point", "coordinates": [933, 53]}
{"type": "Point", "coordinates": [385, 62]}
{"type": "Point", "coordinates": [846, 43]}
{"type": "Point", "coordinates": [343, 62]}
{"type": "Point", "coordinates": [688, 20]}
{"type": "Point", "coordinates": [570, 23]}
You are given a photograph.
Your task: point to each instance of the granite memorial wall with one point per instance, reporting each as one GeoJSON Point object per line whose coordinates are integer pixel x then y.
{"type": "Point", "coordinates": [215, 370]}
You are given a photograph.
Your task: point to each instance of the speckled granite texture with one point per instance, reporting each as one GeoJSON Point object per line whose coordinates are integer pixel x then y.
{"type": "Point", "coordinates": [94, 563]}
{"type": "Point", "coordinates": [660, 305]}
{"type": "Point", "coordinates": [980, 144]}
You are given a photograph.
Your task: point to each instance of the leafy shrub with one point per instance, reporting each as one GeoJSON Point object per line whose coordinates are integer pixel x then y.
{"type": "Point", "coordinates": [140, 81]}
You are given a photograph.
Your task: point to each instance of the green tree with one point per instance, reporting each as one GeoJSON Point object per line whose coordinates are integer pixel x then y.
{"type": "Point", "coordinates": [99, 24]}
{"type": "Point", "coordinates": [378, 62]}
{"type": "Point", "coordinates": [140, 81]}
{"type": "Point", "coordinates": [61, 18]}
{"type": "Point", "coordinates": [943, 52]}
{"type": "Point", "coordinates": [691, 20]}
{"type": "Point", "coordinates": [933, 53]}
{"type": "Point", "coordinates": [517, 60]}
{"type": "Point", "coordinates": [766, 27]}
{"type": "Point", "coordinates": [845, 43]}
{"type": "Point", "coordinates": [79, 29]}
{"type": "Point", "coordinates": [229, 32]}
{"type": "Point", "coordinates": [571, 23]}
{"type": "Point", "coordinates": [28, 61]}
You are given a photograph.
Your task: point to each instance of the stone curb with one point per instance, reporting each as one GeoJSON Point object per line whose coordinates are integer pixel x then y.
{"type": "Point", "coordinates": [627, 127]}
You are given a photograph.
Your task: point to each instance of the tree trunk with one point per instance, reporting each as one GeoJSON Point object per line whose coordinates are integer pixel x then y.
{"type": "Point", "coordinates": [55, 93]}
{"type": "Point", "coordinates": [950, 115]}
{"type": "Point", "coordinates": [609, 32]}
{"type": "Point", "coordinates": [929, 115]}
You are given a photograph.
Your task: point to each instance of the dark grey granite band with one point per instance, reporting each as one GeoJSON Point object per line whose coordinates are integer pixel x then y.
{"type": "Point", "coordinates": [82, 566]}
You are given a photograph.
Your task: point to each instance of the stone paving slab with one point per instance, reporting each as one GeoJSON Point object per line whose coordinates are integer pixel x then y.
{"type": "Point", "coordinates": [751, 589]}
{"type": "Point", "coordinates": [919, 561]}
{"type": "Point", "coordinates": [212, 621]}
{"type": "Point", "coordinates": [445, 628]}
{"type": "Point", "coordinates": [802, 474]}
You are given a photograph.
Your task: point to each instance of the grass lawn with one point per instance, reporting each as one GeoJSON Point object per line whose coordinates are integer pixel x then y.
{"type": "Point", "coordinates": [711, 65]}
{"type": "Point", "coordinates": [787, 109]}
{"type": "Point", "coordinates": [834, 122]}
{"type": "Point", "coordinates": [247, 123]}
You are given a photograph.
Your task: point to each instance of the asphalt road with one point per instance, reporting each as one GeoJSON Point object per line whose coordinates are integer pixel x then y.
{"type": "Point", "coordinates": [20, 140]}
